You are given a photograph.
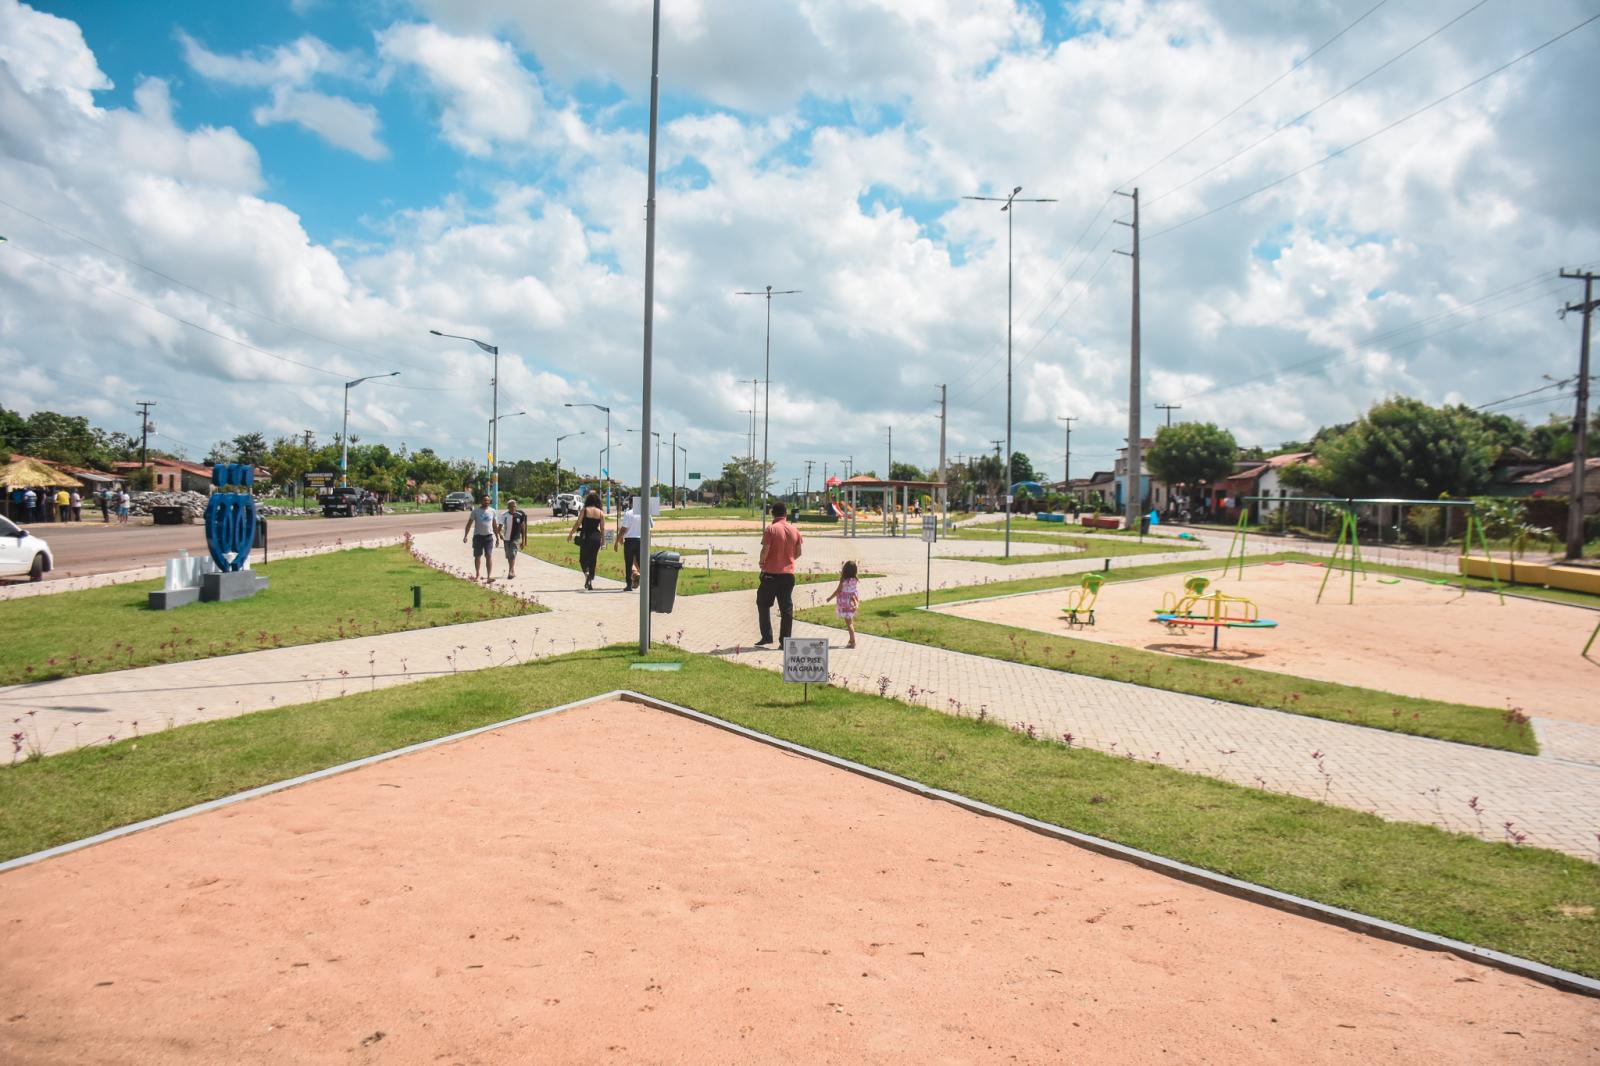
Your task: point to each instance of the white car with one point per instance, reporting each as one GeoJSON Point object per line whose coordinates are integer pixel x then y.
{"type": "Point", "coordinates": [23, 553]}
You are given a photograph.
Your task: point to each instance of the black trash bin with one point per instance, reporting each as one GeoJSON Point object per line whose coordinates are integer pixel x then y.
{"type": "Point", "coordinates": [1144, 525]}
{"type": "Point", "coordinates": [166, 515]}
{"type": "Point", "coordinates": [664, 567]}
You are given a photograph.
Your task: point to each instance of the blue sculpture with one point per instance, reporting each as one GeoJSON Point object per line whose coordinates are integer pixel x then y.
{"type": "Point", "coordinates": [231, 516]}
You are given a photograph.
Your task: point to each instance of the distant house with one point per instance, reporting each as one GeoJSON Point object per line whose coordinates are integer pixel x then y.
{"type": "Point", "coordinates": [176, 475]}
{"type": "Point", "coordinates": [1557, 481]}
{"type": "Point", "coordinates": [1270, 482]}
{"type": "Point", "coordinates": [1152, 493]}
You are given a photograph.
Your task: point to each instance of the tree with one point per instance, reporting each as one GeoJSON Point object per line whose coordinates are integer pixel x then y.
{"type": "Point", "coordinates": [1404, 448]}
{"type": "Point", "coordinates": [249, 448]}
{"type": "Point", "coordinates": [1021, 467]}
{"type": "Point", "coordinates": [289, 461]}
{"type": "Point", "coordinates": [906, 472]}
{"type": "Point", "coordinates": [741, 478]}
{"type": "Point", "coordinates": [1503, 431]}
{"type": "Point", "coordinates": [1191, 452]}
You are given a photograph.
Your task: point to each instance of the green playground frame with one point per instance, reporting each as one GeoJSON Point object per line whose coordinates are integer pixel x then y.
{"type": "Point", "coordinates": [1347, 549]}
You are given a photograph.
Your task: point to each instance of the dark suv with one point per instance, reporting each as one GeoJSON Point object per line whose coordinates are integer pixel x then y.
{"type": "Point", "coordinates": [457, 501]}
{"type": "Point", "coordinates": [347, 501]}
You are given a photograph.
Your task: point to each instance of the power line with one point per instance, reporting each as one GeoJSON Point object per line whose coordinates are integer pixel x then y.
{"type": "Point", "coordinates": [1375, 133]}
{"type": "Point", "coordinates": [1256, 95]}
{"type": "Point", "coordinates": [1307, 114]}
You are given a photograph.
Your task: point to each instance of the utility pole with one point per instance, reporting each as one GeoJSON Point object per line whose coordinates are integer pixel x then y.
{"type": "Point", "coordinates": [309, 436]}
{"type": "Point", "coordinates": [144, 431]}
{"type": "Point", "coordinates": [944, 488]}
{"type": "Point", "coordinates": [1066, 461]}
{"type": "Point", "coordinates": [809, 464]}
{"type": "Point", "coordinates": [1169, 408]}
{"type": "Point", "coordinates": [649, 329]}
{"type": "Point", "coordinates": [749, 446]}
{"type": "Point", "coordinates": [889, 473]}
{"type": "Point", "coordinates": [1135, 452]}
{"type": "Point", "coordinates": [1580, 431]}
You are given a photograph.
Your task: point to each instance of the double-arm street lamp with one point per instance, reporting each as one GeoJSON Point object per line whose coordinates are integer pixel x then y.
{"type": "Point", "coordinates": [605, 470]}
{"type": "Point", "coordinates": [1007, 201]}
{"type": "Point", "coordinates": [580, 433]}
{"type": "Point", "coordinates": [494, 409]}
{"type": "Point", "coordinates": [766, 412]}
{"type": "Point", "coordinates": [344, 434]}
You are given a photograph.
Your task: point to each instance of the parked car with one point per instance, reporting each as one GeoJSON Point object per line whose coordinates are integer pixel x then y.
{"type": "Point", "coordinates": [23, 553]}
{"type": "Point", "coordinates": [348, 501]}
{"type": "Point", "coordinates": [568, 503]}
{"type": "Point", "coordinates": [457, 501]}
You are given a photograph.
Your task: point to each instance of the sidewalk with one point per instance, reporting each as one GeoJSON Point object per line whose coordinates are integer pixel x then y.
{"type": "Point", "coordinates": [1389, 774]}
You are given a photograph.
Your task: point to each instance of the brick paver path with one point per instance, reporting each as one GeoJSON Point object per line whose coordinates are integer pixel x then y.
{"type": "Point", "coordinates": [1555, 801]}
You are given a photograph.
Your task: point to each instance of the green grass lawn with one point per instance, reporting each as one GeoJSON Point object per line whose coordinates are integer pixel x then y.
{"type": "Point", "coordinates": [351, 593]}
{"type": "Point", "coordinates": [692, 580]}
{"type": "Point", "coordinates": [900, 617]}
{"type": "Point", "coordinates": [1530, 902]}
{"type": "Point", "coordinates": [695, 513]}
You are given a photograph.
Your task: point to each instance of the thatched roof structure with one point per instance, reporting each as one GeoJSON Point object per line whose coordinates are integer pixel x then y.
{"type": "Point", "coordinates": [32, 474]}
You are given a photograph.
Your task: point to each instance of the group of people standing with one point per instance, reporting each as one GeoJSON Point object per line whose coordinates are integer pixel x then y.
{"type": "Point", "coordinates": [66, 505]}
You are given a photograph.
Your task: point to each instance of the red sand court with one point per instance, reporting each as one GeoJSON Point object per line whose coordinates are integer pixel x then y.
{"type": "Point", "coordinates": [615, 883]}
{"type": "Point", "coordinates": [1410, 637]}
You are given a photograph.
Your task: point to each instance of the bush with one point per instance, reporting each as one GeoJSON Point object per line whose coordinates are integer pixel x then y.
{"type": "Point", "coordinates": [142, 480]}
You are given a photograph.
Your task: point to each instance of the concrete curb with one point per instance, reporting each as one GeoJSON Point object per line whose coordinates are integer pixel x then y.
{"type": "Point", "coordinates": [1245, 890]}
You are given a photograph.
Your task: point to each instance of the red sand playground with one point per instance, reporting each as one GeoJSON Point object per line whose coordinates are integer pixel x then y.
{"type": "Point", "coordinates": [617, 884]}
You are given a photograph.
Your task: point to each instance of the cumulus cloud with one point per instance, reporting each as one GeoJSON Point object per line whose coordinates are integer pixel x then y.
{"type": "Point", "coordinates": [822, 146]}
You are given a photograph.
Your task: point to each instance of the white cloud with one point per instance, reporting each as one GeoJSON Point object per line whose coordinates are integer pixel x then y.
{"type": "Point", "coordinates": [489, 97]}
{"type": "Point", "coordinates": [47, 54]}
{"type": "Point", "coordinates": [341, 122]}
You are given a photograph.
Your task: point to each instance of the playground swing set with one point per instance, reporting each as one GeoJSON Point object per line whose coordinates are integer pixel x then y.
{"type": "Point", "coordinates": [1347, 548]}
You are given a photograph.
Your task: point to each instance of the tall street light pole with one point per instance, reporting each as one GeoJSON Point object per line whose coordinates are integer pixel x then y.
{"type": "Point", "coordinates": [494, 410]}
{"type": "Point", "coordinates": [649, 321]}
{"type": "Point", "coordinates": [766, 413]}
{"type": "Point", "coordinates": [1010, 214]}
{"type": "Point", "coordinates": [685, 451]}
{"type": "Point", "coordinates": [344, 433]}
{"type": "Point", "coordinates": [494, 428]}
{"type": "Point", "coordinates": [605, 472]}
{"type": "Point", "coordinates": [580, 433]}
{"type": "Point", "coordinates": [1135, 445]}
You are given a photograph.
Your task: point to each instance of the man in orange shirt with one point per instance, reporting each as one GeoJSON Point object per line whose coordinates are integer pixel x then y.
{"type": "Point", "coordinates": [780, 547]}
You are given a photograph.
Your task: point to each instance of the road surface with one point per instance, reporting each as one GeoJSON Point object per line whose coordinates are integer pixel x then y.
{"type": "Point", "coordinates": [91, 547]}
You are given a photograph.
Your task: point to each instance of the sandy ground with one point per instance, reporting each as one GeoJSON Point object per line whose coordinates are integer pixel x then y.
{"type": "Point", "coordinates": [1413, 638]}
{"type": "Point", "coordinates": [618, 884]}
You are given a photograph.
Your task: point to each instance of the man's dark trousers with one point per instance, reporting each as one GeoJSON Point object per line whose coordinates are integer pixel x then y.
{"type": "Point", "coordinates": [779, 587]}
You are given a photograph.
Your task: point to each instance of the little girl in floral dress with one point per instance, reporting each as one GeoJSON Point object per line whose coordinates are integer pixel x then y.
{"type": "Point", "coordinates": [849, 598]}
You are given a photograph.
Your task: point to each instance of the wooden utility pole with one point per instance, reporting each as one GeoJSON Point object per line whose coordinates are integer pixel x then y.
{"type": "Point", "coordinates": [1066, 456]}
{"type": "Point", "coordinates": [1580, 429]}
{"type": "Point", "coordinates": [144, 430]}
{"type": "Point", "coordinates": [1169, 408]}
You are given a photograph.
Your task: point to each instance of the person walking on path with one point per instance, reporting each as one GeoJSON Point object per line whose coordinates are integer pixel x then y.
{"type": "Point", "coordinates": [628, 541]}
{"type": "Point", "coordinates": [512, 531]}
{"type": "Point", "coordinates": [846, 598]}
{"type": "Point", "coordinates": [77, 506]}
{"type": "Point", "coordinates": [124, 504]}
{"type": "Point", "coordinates": [590, 533]}
{"type": "Point", "coordinates": [480, 524]}
{"type": "Point", "coordinates": [781, 545]}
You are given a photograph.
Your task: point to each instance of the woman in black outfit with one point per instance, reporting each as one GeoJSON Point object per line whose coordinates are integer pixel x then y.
{"type": "Point", "coordinates": [590, 533]}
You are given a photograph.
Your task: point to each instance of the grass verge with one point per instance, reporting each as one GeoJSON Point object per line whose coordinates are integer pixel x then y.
{"type": "Point", "coordinates": [692, 580]}
{"type": "Point", "coordinates": [352, 593]}
{"type": "Point", "coordinates": [1527, 901]}
{"type": "Point", "coordinates": [900, 617]}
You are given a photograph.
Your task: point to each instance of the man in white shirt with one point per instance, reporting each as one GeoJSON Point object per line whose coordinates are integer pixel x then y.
{"type": "Point", "coordinates": [628, 541]}
{"type": "Point", "coordinates": [480, 523]}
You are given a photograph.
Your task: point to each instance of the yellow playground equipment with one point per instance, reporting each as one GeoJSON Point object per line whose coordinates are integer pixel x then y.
{"type": "Point", "coordinates": [1196, 607]}
{"type": "Point", "coordinates": [1080, 601]}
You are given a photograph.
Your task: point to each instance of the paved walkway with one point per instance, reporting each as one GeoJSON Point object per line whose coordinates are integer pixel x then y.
{"type": "Point", "coordinates": [1554, 802]}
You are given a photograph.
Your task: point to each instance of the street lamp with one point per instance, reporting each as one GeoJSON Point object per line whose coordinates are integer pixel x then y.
{"type": "Point", "coordinates": [644, 490]}
{"type": "Point", "coordinates": [494, 410]}
{"type": "Point", "coordinates": [676, 448]}
{"type": "Point", "coordinates": [344, 434]}
{"type": "Point", "coordinates": [766, 403]}
{"type": "Point", "coordinates": [494, 426]}
{"type": "Point", "coordinates": [580, 433]}
{"type": "Point", "coordinates": [604, 471]}
{"type": "Point", "coordinates": [1008, 201]}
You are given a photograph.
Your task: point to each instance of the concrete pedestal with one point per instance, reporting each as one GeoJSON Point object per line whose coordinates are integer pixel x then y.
{"type": "Point", "coordinates": [237, 585]}
{"type": "Point", "coordinates": [167, 599]}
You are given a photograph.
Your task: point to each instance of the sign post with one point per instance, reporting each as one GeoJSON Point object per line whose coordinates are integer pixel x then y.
{"type": "Point", "coordinates": [805, 662]}
{"type": "Point", "coordinates": [930, 533]}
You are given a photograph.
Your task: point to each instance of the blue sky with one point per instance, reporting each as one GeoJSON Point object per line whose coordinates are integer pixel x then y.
{"type": "Point", "coordinates": [336, 180]}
